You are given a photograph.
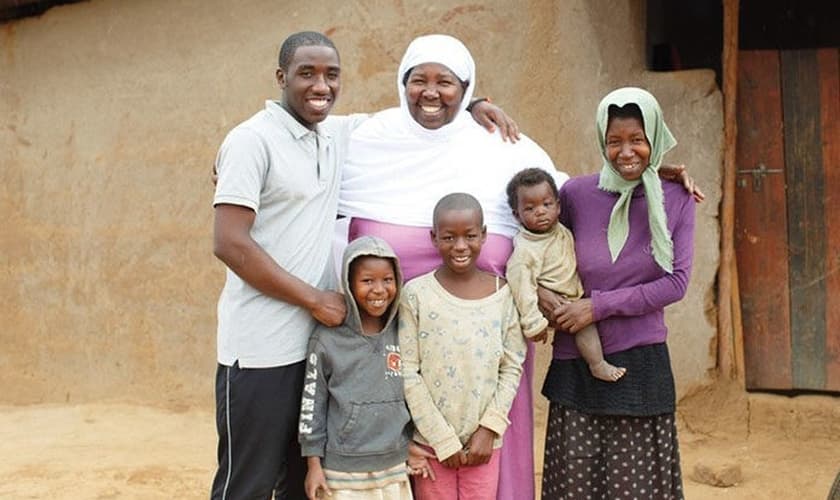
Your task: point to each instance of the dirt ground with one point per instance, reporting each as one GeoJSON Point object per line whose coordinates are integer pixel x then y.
{"type": "Point", "coordinates": [784, 447]}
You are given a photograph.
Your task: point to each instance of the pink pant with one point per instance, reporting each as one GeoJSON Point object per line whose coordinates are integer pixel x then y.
{"type": "Point", "coordinates": [477, 482]}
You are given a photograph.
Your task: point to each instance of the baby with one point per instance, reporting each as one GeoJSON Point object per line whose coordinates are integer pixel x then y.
{"type": "Point", "coordinates": [544, 255]}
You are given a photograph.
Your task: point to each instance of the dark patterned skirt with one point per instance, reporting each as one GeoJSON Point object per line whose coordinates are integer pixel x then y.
{"type": "Point", "coordinates": [610, 456]}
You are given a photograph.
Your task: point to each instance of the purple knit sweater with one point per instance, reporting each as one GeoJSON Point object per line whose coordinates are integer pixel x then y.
{"type": "Point", "coordinates": [628, 295]}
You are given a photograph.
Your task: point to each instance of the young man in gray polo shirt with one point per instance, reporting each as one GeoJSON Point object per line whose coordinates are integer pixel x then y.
{"type": "Point", "coordinates": [275, 206]}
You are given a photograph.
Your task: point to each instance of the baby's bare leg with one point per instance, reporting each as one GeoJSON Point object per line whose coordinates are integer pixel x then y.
{"type": "Point", "coordinates": [589, 345]}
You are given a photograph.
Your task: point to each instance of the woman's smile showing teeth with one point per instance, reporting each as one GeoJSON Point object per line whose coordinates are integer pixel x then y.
{"type": "Point", "coordinates": [627, 147]}
{"type": "Point", "coordinates": [434, 94]}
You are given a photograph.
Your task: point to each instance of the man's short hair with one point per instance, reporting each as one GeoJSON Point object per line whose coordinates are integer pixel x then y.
{"type": "Point", "coordinates": [301, 39]}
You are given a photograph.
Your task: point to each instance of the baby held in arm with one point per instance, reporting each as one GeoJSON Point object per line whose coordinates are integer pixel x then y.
{"type": "Point", "coordinates": [544, 255]}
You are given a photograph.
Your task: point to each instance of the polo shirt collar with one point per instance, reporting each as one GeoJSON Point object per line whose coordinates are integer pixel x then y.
{"type": "Point", "coordinates": [289, 122]}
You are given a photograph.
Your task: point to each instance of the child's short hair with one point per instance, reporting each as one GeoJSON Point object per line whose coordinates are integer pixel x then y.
{"type": "Point", "coordinates": [457, 201]}
{"type": "Point", "coordinates": [528, 177]}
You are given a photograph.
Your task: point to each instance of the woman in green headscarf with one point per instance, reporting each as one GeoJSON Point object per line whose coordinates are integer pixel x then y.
{"type": "Point", "coordinates": [634, 237]}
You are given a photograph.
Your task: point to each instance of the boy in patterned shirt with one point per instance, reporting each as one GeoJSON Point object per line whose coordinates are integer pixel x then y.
{"type": "Point", "coordinates": [462, 350]}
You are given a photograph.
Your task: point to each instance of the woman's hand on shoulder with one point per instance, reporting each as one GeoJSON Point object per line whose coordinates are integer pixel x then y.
{"type": "Point", "coordinates": [490, 116]}
{"type": "Point", "coordinates": [678, 173]}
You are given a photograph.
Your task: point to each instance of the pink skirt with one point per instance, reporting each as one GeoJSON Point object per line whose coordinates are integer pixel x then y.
{"type": "Point", "coordinates": [413, 246]}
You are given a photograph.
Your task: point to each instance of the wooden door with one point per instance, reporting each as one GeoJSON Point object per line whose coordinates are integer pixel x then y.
{"type": "Point", "coordinates": [787, 222]}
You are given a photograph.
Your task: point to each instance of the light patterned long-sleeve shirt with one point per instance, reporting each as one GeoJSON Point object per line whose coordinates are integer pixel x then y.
{"type": "Point", "coordinates": [548, 260]}
{"type": "Point", "coordinates": [461, 362]}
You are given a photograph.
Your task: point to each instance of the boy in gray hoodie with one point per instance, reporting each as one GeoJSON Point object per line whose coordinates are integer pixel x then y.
{"type": "Point", "coordinates": [355, 428]}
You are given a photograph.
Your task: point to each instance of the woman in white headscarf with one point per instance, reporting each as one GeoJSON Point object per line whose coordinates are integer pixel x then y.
{"type": "Point", "coordinates": [403, 160]}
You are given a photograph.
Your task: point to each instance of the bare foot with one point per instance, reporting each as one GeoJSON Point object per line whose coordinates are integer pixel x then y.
{"type": "Point", "coordinates": [607, 372]}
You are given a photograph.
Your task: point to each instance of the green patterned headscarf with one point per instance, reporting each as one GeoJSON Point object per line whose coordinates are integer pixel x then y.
{"type": "Point", "coordinates": [661, 141]}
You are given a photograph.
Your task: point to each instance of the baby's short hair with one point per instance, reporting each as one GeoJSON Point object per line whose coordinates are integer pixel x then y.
{"type": "Point", "coordinates": [528, 177]}
{"type": "Point", "coordinates": [456, 201]}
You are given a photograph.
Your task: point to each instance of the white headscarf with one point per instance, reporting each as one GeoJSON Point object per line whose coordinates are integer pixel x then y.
{"type": "Point", "coordinates": [440, 49]}
{"type": "Point", "coordinates": [396, 170]}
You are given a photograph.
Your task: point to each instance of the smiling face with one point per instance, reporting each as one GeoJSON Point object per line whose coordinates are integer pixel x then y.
{"type": "Point", "coordinates": [627, 147]}
{"type": "Point", "coordinates": [458, 236]}
{"type": "Point", "coordinates": [373, 284]}
{"type": "Point", "coordinates": [433, 94]}
{"type": "Point", "coordinates": [311, 83]}
{"type": "Point", "coordinates": [537, 207]}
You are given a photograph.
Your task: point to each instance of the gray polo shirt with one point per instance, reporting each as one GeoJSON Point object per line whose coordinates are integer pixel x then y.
{"type": "Point", "coordinates": [289, 175]}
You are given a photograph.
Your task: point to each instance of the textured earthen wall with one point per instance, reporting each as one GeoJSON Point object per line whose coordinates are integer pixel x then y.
{"type": "Point", "coordinates": [111, 113]}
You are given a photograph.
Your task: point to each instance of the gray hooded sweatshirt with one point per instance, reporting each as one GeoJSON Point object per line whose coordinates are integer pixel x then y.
{"type": "Point", "coordinates": [353, 412]}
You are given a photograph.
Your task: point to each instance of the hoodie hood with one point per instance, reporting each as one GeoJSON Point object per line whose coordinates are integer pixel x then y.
{"type": "Point", "coordinates": [362, 247]}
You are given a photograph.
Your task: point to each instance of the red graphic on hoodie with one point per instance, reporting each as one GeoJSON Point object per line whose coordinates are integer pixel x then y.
{"type": "Point", "coordinates": [394, 362]}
